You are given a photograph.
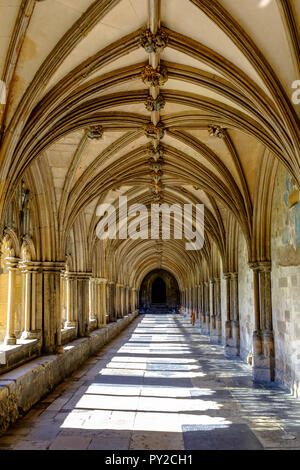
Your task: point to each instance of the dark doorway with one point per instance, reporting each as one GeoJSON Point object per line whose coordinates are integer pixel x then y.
{"type": "Point", "coordinates": [159, 295]}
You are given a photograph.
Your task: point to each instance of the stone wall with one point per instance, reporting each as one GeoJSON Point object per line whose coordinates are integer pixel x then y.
{"type": "Point", "coordinates": [285, 249]}
{"type": "Point", "coordinates": [246, 300]}
{"type": "Point", "coordinates": [24, 386]}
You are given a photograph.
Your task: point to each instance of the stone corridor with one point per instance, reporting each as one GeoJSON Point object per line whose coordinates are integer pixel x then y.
{"type": "Point", "coordinates": [160, 385]}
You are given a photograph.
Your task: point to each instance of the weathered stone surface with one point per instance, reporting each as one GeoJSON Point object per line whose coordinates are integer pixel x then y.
{"type": "Point", "coordinates": [21, 388]}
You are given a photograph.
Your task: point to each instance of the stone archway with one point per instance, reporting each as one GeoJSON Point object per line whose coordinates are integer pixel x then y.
{"type": "Point", "coordinates": [159, 291]}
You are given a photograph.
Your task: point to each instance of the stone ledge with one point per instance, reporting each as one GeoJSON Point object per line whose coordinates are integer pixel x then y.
{"type": "Point", "coordinates": [15, 355]}
{"type": "Point", "coordinates": [24, 386]}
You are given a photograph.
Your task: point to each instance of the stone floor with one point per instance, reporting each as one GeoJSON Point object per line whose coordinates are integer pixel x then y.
{"type": "Point", "coordinates": [160, 385]}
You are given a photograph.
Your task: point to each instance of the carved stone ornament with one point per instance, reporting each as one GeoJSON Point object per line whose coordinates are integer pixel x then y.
{"type": "Point", "coordinates": [154, 132]}
{"type": "Point", "coordinates": [155, 104]}
{"type": "Point", "coordinates": [216, 131]}
{"type": "Point", "coordinates": [156, 153]}
{"type": "Point", "coordinates": [154, 42]}
{"type": "Point", "coordinates": [95, 132]}
{"type": "Point", "coordinates": [154, 77]}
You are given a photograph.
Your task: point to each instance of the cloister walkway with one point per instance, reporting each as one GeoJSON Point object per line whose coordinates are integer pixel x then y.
{"type": "Point", "coordinates": [160, 385]}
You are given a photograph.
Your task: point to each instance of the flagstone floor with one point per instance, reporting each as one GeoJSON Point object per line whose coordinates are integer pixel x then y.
{"type": "Point", "coordinates": [160, 386]}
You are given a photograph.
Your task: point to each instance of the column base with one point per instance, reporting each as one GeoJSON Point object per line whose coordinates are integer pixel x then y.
{"type": "Point", "coordinates": [70, 324]}
{"type": "Point", "coordinates": [31, 335]}
{"type": "Point", "coordinates": [10, 340]}
{"type": "Point", "coordinates": [263, 357]}
{"type": "Point", "coordinates": [205, 329]}
{"type": "Point", "coordinates": [231, 351]}
{"type": "Point", "coordinates": [59, 349]}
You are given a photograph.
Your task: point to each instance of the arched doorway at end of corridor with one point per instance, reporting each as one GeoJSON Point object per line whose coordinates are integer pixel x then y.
{"type": "Point", "coordinates": [159, 293]}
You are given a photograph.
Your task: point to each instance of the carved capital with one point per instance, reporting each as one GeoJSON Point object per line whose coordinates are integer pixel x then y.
{"type": "Point", "coordinates": [154, 42]}
{"type": "Point", "coordinates": [155, 104]}
{"type": "Point", "coordinates": [154, 77]}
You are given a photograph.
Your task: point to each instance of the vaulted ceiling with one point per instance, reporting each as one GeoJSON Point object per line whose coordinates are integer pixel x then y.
{"type": "Point", "coordinates": [83, 112]}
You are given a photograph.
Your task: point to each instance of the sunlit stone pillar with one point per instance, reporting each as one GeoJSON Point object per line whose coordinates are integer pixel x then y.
{"type": "Point", "coordinates": [127, 299]}
{"type": "Point", "coordinates": [133, 290]}
{"type": "Point", "coordinates": [202, 306]}
{"type": "Point", "coordinates": [263, 338]}
{"type": "Point", "coordinates": [70, 321]}
{"type": "Point", "coordinates": [214, 337]}
{"type": "Point", "coordinates": [29, 270]}
{"type": "Point", "coordinates": [92, 303]}
{"type": "Point", "coordinates": [228, 333]}
{"type": "Point", "coordinates": [235, 324]}
{"type": "Point", "coordinates": [218, 311]}
{"type": "Point", "coordinates": [51, 308]}
{"type": "Point", "coordinates": [12, 266]}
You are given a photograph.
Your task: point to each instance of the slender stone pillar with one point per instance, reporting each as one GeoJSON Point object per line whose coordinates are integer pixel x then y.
{"type": "Point", "coordinates": [215, 321]}
{"type": "Point", "coordinates": [206, 317]}
{"type": "Point", "coordinates": [263, 338]}
{"type": "Point", "coordinates": [202, 306]}
{"type": "Point", "coordinates": [228, 333]}
{"type": "Point", "coordinates": [102, 301]}
{"type": "Point", "coordinates": [11, 265]}
{"type": "Point", "coordinates": [29, 270]}
{"type": "Point", "coordinates": [127, 299]}
{"type": "Point", "coordinates": [82, 302]}
{"type": "Point", "coordinates": [51, 313]}
{"type": "Point", "coordinates": [235, 323]}
{"type": "Point", "coordinates": [70, 320]}
{"type": "Point", "coordinates": [218, 311]}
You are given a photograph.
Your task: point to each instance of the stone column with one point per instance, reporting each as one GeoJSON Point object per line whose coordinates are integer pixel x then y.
{"type": "Point", "coordinates": [112, 313]}
{"type": "Point", "coordinates": [202, 306]}
{"type": "Point", "coordinates": [102, 301]}
{"type": "Point", "coordinates": [235, 324]}
{"type": "Point", "coordinates": [51, 308]}
{"type": "Point", "coordinates": [263, 338]}
{"type": "Point", "coordinates": [214, 334]}
{"type": "Point", "coordinates": [70, 321]}
{"type": "Point", "coordinates": [125, 300]}
{"type": "Point", "coordinates": [228, 333]}
{"type": "Point", "coordinates": [206, 317]}
{"type": "Point", "coordinates": [218, 311]}
{"type": "Point", "coordinates": [118, 305]}
{"type": "Point", "coordinates": [12, 266]}
{"type": "Point", "coordinates": [29, 269]}
{"type": "Point", "coordinates": [82, 302]}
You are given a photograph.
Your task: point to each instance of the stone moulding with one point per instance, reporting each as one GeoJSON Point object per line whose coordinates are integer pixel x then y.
{"type": "Point", "coordinates": [154, 42]}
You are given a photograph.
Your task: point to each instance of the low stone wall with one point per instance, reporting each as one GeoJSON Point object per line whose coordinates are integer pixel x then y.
{"type": "Point", "coordinates": [24, 386]}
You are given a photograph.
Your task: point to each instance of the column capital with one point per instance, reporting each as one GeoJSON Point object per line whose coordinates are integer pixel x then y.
{"type": "Point", "coordinates": [226, 275]}
{"type": "Point", "coordinates": [52, 266]}
{"type": "Point", "coordinates": [260, 265]}
{"type": "Point", "coordinates": [29, 266]}
{"type": "Point", "coordinates": [11, 263]}
{"type": "Point", "coordinates": [234, 275]}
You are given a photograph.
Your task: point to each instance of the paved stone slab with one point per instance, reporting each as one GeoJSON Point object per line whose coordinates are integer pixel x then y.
{"type": "Point", "coordinates": [160, 385]}
{"type": "Point", "coordinates": [220, 437]}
